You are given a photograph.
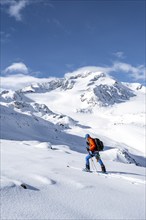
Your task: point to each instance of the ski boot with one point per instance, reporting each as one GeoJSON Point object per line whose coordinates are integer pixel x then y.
{"type": "Point", "coordinates": [87, 169]}
{"type": "Point", "coordinates": [103, 169]}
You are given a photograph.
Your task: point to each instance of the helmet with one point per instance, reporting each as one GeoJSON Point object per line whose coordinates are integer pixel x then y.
{"type": "Point", "coordinates": [87, 136]}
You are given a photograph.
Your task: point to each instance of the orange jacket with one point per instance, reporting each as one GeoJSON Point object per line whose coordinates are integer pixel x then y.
{"type": "Point", "coordinates": [92, 144]}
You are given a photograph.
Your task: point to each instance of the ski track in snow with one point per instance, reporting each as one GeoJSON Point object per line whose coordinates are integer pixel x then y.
{"type": "Point", "coordinates": [111, 175]}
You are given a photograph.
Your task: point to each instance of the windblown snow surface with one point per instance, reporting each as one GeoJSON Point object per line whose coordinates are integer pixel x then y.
{"type": "Point", "coordinates": [43, 149]}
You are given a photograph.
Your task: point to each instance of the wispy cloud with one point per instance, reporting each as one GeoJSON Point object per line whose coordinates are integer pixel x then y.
{"type": "Point", "coordinates": [18, 81]}
{"type": "Point", "coordinates": [135, 72]}
{"type": "Point", "coordinates": [59, 25]}
{"type": "Point", "coordinates": [15, 7]}
{"type": "Point", "coordinates": [16, 68]}
{"type": "Point", "coordinates": [119, 54]}
{"type": "Point", "coordinates": [4, 37]}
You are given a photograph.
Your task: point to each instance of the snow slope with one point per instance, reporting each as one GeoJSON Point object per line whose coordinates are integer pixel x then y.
{"type": "Point", "coordinates": [43, 149]}
{"type": "Point", "coordinates": [55, 191]}
{"type": "Point", "coordinates": [101, 103]}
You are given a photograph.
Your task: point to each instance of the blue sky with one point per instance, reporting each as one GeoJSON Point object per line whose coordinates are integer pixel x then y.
{"type": "Point", "coordinates": [46, 38]}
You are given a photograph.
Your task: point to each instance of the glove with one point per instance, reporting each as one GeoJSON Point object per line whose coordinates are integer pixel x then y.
{"type": "Point", "coordinates": [90, 153]}
{"type": "Point", "coordinates": [87, 149]}
{"type": "Point", "coordinates": [87, 143]}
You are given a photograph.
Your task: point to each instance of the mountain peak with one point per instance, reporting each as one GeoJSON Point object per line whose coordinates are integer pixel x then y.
{"type": "Point", "coordinates": [91, 84]}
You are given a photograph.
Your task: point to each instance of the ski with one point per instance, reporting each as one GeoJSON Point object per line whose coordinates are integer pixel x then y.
{"type": "Point", "coordinates": [91, 171]}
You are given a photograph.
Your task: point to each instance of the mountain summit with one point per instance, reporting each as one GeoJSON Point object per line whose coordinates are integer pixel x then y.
{"type": "Point", "coordinates": [94, 88]}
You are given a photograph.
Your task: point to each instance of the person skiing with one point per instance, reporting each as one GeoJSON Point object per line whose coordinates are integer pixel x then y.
{"type": "Point", "coordinates": [91, 148]}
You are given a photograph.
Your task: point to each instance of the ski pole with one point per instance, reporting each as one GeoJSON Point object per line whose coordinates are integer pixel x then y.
{"type": "Point", "coordinates": [93, 164]}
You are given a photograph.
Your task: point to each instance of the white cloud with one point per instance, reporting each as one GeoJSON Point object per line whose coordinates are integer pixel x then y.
{"type": "Point", "coordinates": [15, 7]}
{"type": "Point", "coordinates": [135, 72]}
{"type": "Point", "coordinates": [18, 81]}
{"type": "Point", "coordinates": [16, 68]}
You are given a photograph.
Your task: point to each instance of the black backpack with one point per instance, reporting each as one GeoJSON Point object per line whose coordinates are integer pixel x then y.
{"type": "Point", "coordinates": [99, 144]}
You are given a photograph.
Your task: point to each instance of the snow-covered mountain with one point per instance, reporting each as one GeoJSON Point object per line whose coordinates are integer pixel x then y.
{"type": "Point", "coordinates": [94, 88]}
{"type": "Point", "coordinates": [42, 135]}
{"type": "Point", "coordinates": [107, 102]}
{"type": "Point", "coordinates": [85, 101]}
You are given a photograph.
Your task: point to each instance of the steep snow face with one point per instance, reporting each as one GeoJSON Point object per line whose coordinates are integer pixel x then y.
{"type": "Point", "coordinates": [107, 95]}
{"type": "Point", "coordinates": [20, 126]}
{"type": "Point", "coordinates": [17, 126]}
{"type": "Point", "coordinates": [98, 88]}
{"type": "Point", "coordinates": [22, 115]}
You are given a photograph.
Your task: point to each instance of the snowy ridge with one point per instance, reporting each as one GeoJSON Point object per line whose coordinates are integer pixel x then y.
{"type": "Point", "coordinates": [14, 100]}
{"type": "Point", "coordinates": [48, 86]}
{"type": "Point", "coordinates": [43, 87]}
{"type": "Point", "coordinates": [136, 87]}
{"type": "Point", "coordinates": [98, 88]}
{"type": "Point", "coordinates": [121, 155]}
{"type": "Point", "coordinates": [8, 96]}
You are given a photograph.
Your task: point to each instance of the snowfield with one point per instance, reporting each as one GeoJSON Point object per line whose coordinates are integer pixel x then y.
{"type": "Point", "coordinates": [43, 149]}
{"type": "Point", "coordinates": [55, 191]}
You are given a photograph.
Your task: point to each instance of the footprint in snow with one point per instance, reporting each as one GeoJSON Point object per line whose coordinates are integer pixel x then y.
{"type": "Point", "coordinates": [44, 145]}
{"type": "Point", "coordinates": [10, 183]}
{"type": "Point", "coordinates": [44, 180]}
